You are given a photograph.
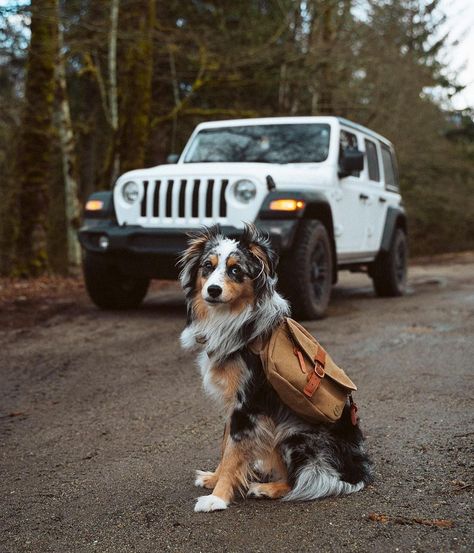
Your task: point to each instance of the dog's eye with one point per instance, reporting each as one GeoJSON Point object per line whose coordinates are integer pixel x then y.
{"type": "Point", "coordinates": [207, 266]}
{"type": "Point", "coordinates": [235, 271]}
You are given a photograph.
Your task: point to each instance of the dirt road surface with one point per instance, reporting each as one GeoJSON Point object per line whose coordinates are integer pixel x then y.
{"type": "Point", "coordinates": [103, 422]}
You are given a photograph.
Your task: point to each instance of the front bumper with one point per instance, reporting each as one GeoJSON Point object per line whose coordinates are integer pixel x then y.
{"type": "Point", "coordinates": [168, 241]}
{"type": "Point", "coordinates": [152, 252]}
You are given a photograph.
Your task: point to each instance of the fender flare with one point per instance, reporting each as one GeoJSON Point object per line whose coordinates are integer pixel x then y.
{"type": "Point", "coordinates": [396, 217]}
{"type": "Point", "coordinates": [313, 200]}
{"type": "Point", "coordinates": [316, 206]}
{"type": "Point", "coordinates": [107, 211]}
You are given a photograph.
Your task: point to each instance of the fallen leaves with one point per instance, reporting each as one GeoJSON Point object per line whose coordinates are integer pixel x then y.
{"type": "Point", "coordinates": [27, 302]}
{"type": "Point", "coordinates": [19, 291]}
{"type": "Point", "coordinates": [399, 519]}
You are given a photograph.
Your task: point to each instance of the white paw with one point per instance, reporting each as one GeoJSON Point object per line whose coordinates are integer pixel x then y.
{"type": "Point", "coordinates": [187, 339]}
{"type": "Point", "coordinates": [208, 503]}
{"type": "Point", "coordinates": [201, 476]}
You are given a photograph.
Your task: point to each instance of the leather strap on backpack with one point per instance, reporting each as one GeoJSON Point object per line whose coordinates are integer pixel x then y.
{"type": "Point", "coordinates": [318, 373]}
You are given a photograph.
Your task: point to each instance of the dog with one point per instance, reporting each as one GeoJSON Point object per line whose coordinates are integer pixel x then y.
{"type": "Point", "coordinates": [267, 450]}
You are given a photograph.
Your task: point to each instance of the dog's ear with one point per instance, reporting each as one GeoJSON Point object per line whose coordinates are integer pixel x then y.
{"type": "Point", "coordinates": [189, 260]}
{"type": "Point", "coordinates": [260, 247]}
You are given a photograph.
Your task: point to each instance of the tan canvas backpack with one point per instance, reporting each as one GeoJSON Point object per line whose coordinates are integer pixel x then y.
{"type": "Point", "coordinates": [304, 376]}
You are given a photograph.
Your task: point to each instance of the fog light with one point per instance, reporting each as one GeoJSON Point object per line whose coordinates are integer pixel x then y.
{"type": "Point", "coordinates": [103, 242]}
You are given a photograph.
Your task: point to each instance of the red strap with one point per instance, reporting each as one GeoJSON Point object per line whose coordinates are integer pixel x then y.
{"type": "Point", "coordinates": [299, 355]}
{"type": "Point", "coordinates": [318, 373]}
{"type": "Point", "coordinates": [320, 357]}
{"type": "Point", "coordinates": [312, 385]}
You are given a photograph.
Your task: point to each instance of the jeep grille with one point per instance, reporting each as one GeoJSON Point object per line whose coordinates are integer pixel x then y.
{"type": "Point", "coordinates": [183, 200]}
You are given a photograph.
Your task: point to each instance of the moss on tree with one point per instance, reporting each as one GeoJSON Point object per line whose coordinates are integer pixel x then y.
{"type": "Point", "coordinates": [33, 158]}
{"type": "Point", "coordinates": [135, 78]}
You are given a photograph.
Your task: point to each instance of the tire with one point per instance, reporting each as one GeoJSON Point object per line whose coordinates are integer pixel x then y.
{"type": "Point", "coordinates": [108, 288]}
{"type": "Point", "coordinates": [389, 271]}
{"type": "Point", "coordinates": [306, 274]}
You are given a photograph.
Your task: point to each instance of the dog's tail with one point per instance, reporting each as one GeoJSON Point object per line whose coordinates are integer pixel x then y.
{"type": "Point", "coordinates": [313, 483]}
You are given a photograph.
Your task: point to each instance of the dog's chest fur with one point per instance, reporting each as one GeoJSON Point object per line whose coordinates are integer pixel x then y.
{"type": "Point", "coordinates": [223, 380]}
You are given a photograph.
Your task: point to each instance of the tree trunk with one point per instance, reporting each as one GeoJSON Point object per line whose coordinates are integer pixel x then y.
{"type": "Point", "coordinates": [137, 26]}
{"type": "Point", "coordinates": [68, 157]}
{"type": "Point", "coordinates": [33, 158]}
{"type": "Point", "coordinates": [113, 90]}
{"type": "Point", "coordinates": [325, 100]}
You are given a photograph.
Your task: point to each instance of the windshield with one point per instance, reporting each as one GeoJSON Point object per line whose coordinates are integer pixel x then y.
{"type": "Point", "coordinates": [288, 143]}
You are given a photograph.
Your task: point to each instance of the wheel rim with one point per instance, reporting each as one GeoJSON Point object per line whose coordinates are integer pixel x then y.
{"type": "Point", "coordinates": [319, 271]}
{"type": "Point", "coordinates": [400, 262]}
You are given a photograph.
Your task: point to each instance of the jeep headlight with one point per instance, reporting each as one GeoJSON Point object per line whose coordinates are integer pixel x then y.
{"type": "Point", "coordinates": [245, 191]}
{"type": "Point", "coordinates": [130, 192]}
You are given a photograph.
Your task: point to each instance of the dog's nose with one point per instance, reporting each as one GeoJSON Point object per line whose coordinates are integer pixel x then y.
{"type": "Point", "coordinates": [214, 291]}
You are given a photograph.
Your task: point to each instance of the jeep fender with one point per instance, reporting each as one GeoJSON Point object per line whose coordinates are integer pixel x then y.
{"type": "Point", "coordinates": [107, 211]}
{"type": "Point", "coordinates": [101, 217]}
{"type": "Point", "coordinates": [316, 207]}
{"type": "Point", "coordinates": [396, 218]}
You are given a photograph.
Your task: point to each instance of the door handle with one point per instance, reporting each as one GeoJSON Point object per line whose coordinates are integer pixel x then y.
{"type": "Point", "coordinates": [382, 200]}
{"type": "Point", "coordinates": [363, 197]}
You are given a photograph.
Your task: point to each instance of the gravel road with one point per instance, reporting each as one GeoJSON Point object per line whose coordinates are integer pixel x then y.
{"type": "Point", "coordinates": [103, 422]}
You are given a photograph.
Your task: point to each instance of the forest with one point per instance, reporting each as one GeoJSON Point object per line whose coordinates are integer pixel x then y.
{"type": "Point", "coordinates": [91, 89]}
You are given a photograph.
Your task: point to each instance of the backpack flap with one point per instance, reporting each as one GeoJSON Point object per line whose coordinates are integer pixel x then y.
{"type": "Point", "coordinates": [306, 343]}
{"type": "Point", "coordinates": [306, 379]}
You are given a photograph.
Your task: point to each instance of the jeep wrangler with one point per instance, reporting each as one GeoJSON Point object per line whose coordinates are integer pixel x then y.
{"type": "Point", "coordinates": [324, 189]}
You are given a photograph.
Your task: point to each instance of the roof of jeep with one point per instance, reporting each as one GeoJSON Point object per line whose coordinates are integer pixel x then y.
{"type": "Point", "coordinates": [296, 119]}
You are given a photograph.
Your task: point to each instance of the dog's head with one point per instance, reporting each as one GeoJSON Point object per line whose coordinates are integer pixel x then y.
{"type": "Point", "coordinates": [223, 273]}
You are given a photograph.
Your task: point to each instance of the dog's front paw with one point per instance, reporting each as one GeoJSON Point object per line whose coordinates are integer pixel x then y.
{"type": "Point", "coordinates": [208, 503]}
{"type": "Point", "coordinates": [187, 339]}
{"type": "Point", "coordinates": [205, 479]}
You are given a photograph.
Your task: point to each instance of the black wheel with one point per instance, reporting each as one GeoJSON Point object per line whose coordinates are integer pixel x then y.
{"type": "Point", "coordinates": [306, 273]}
{"type": "Point", "coordinates": [389, 271]}
{"type": "Point", "coordinates": [110, 289]}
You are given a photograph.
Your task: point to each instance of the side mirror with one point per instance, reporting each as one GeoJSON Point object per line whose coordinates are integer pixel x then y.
{"type": "Point", "coordinates": [172, 158]}
{"type": "Point", "coordinates": [351, 160]}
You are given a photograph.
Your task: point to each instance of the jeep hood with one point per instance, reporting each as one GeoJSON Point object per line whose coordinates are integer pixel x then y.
{"type": "Point", "coordinates": [284, 175]}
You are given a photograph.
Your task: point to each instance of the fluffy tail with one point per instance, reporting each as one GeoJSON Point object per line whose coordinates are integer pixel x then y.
{"type": "Point", "coordinates": [313, 483]}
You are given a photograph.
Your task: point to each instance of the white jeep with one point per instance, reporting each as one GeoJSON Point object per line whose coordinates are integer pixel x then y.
{"type": "Point", "coordinates": [323, 188]}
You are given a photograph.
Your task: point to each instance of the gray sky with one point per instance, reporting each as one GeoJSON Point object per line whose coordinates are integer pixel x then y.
{"type": "Point", "coordinates": [460, 57]}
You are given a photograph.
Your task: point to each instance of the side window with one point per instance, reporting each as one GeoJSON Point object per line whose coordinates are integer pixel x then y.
{"type": "Point", "coordinates": [389, 169]}
{"type": "Point", "coordinates": [372, 160]}
{"type": "Point", "coordinates": [348, 141]}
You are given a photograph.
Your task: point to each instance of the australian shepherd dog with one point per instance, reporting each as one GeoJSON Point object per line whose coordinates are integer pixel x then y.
{"type": "Point", "coordinates": [267, 450]}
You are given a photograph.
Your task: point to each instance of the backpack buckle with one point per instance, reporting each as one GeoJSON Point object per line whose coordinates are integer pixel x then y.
{"type": "Point", "coordinates": [319, 369]}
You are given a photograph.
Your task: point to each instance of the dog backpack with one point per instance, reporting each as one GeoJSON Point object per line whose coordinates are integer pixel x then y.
{"type": "Point", "coordinates": [304, 376]}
